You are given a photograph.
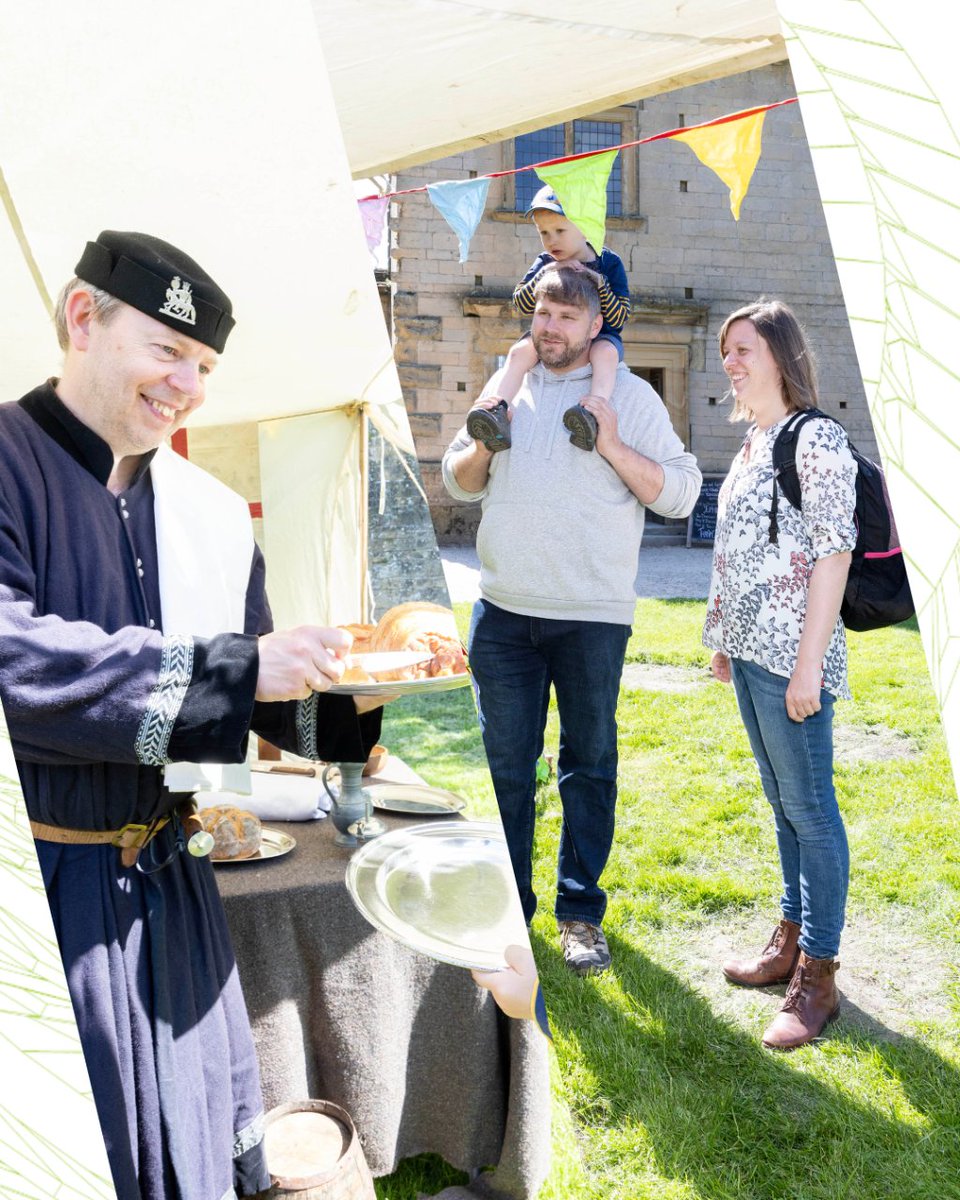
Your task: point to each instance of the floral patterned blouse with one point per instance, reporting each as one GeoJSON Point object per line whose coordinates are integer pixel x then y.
{"type": "Point", "coordinates": [758, 591]}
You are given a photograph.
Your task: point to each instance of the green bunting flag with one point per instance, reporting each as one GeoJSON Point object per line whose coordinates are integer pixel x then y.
{"type": "Point", "coordinates": [581, 187]}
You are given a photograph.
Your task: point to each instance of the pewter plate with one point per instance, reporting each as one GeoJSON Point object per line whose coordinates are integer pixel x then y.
{"type": "Point", "coordinates": [273, 844]}
{"type": "Point", "coordinates": [402, 687]}
{"type": "Point", "coordinates": [445, 889]}
{"type": "Point", "coordinates": [415, 799]}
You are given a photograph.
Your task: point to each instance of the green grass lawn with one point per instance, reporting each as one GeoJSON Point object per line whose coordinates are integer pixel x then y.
{"type": "Point", "coordinates": [661, 1081]}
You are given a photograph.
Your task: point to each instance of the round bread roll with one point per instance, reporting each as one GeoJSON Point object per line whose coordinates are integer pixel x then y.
{"type": "Point", "coordinates": [419, 625]}
{"type": "Point", "coordinates": [236, 832]}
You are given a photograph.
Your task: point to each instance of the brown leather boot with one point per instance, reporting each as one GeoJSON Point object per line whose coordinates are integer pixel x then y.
{"type": "Point", "coordinates": [776, 963]}
{"type": "Point", "coordinates": [811, 1003]}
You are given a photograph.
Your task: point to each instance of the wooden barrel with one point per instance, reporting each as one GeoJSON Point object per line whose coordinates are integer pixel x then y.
{"type": "Point", "coordinates": [313, 1153]}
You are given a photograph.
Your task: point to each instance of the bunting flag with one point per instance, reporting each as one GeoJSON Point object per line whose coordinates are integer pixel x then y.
{"type": "Point", "coordinates": [581, 187]}
{"type": "Point", "coordinates": [731, 151]}
{"type": "Point", "coordinates": [373, 211]}
{"type": "Point", "coordinates": [461, 203]}
{"type": "Point", "coordinates": [728, 146]}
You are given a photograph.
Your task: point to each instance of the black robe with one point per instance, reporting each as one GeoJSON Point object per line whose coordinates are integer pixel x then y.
{"type": "Point", "coordinates": [96, 700]}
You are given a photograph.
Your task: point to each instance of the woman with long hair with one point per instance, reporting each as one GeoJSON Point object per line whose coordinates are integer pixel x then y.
{"type": "Point", "coordinates": [773, 624]}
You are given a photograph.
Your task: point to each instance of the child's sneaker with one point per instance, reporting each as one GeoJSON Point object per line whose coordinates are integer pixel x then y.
{"type": "Point", "coordinates": [490, 426]}
{"type": "Point", "coordinates": [582, 426]}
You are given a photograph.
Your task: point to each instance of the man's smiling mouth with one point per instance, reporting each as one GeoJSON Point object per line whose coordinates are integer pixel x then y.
{"type": "Point", "coordinates": [161, 409]}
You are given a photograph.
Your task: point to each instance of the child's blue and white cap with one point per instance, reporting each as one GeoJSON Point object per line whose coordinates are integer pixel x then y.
{"type": "Point", "coordinates": [545, 198]}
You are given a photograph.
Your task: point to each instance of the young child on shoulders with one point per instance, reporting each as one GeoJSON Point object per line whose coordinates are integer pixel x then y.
{"type": "Point", "coordinates": [563, 243]}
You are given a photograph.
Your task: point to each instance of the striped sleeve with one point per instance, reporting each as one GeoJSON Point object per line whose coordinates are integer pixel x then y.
{"type": "Point", "coordinates": [523, 299]}
{"type": "Point", "coordinates": [613, 308]}
{"type": "Point", "coordinates": [614, 291]}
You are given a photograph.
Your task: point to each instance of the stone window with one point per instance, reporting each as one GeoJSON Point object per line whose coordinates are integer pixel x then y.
{"type": "Point", "coordinates": [539, 146]}
{"type": "Point", "coordinates": [577, 137]}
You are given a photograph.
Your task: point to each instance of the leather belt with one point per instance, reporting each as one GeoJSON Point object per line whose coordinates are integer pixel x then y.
{"type": "Point", "coordinates": [129, 840]}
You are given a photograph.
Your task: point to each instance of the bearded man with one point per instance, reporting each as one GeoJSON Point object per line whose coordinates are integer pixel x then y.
{"type": "Point", "coordinates": [558, 545]}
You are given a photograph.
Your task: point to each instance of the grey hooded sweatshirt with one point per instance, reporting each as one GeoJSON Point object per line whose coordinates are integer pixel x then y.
{"type": "Point", "coordinates": [560, 531]}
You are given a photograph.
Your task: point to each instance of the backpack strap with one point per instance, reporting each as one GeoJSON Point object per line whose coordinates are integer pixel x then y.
{"type": "Point", "coordinates": [785, 476]}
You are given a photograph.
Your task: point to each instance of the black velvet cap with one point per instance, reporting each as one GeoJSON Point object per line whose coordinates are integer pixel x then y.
{"type": "Point", "coordinates": [161, 281]}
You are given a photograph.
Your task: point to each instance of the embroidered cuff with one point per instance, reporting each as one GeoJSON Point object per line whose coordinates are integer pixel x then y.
{"type": "Point", "coordinates": [250, 1135]}
{"type": "Point", "coordinates": [250, 1173]}
{"type": "Point", "coordinates": [307, 726]}
{"type": "Point", "coordinates": [214, 719]}
{"type": "Point", "coordinates": [166, 699]}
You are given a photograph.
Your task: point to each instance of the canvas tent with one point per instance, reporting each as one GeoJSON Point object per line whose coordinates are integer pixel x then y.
{"type": "Point", "coordinates": [478, 71]}
{"type": "Point", "coordinates": [233, 154]}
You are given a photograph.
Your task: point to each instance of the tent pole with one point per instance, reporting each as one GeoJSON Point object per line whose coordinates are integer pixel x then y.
{"type": "Point", "coordinates": [364, 513]}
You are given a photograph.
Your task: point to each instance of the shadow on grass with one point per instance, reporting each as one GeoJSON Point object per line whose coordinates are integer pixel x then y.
{"type": "Point", "coordinates": [426, 1174]}
{"type": "Point", "coordinates": [671, 1092]}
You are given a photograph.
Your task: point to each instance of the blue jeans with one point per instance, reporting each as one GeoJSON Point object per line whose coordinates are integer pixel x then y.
{"type": "Point", "coordinates": [514, 660]}
{"type": "Point", "coordinates": [795, 760]}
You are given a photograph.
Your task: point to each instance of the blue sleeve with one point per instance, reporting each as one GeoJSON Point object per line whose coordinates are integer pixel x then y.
{"type": "Point", "coordinates": [523, 293]}
{"type": "Point", "coordinates": [538, 263]}
{"type": "Point", "coordinates": [611, 266]}
{"type": "Point", "coordinates": [72, 692]}
{"type": "Point", "coordinates": [540, 1013]}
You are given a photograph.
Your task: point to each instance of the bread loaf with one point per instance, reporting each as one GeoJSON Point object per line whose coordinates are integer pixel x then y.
{"type": "Point", "coordinates": [419, 625]}
{"type": "Point", "coordinates": [236, 832]}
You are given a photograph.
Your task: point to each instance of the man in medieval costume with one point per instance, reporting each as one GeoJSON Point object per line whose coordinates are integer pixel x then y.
{"type": "Point", "coordinates": [135, 647]}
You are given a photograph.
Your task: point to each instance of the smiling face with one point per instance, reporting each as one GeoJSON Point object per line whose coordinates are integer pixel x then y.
{"type": "Point", "coordinates": [561, 239]}
{"type": "Point", "coordinates": [131, 379]}
{"type": "Point", "coordinates": [562, 334]}
{"type": "Point", "coordinates": [754, 376]}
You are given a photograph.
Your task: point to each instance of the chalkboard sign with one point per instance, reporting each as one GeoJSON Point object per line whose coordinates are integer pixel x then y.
{"type": "Point", "coordinates": [702, 522]}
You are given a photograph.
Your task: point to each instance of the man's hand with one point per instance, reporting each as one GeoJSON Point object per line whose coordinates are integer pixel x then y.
{"type": "Point", "coordinates": [608, 431]}
{"type": "Point", "coordinates": [720, 666]}
{"type": "Point", "coordinates": [471, 465]}
{"type": "Point", "coordinates": [296, 662]}
{"type": "Point", "coordinates": [489, 403]}
{"type": "Point", "coordinates": [643, 476]}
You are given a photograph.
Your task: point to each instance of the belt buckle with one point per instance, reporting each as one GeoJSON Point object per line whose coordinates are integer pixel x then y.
{"type": "Point", "coordinates": [131, 837]}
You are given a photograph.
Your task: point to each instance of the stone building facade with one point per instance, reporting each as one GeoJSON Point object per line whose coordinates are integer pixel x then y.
{"type": "Point", "coordinates": [689, 265]}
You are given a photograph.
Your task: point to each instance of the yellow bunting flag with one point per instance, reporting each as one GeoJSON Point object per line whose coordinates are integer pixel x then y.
{"type": "Point", "coordinates": [581, 187]}
{"type": "Point", "coordinates": [731, 150]}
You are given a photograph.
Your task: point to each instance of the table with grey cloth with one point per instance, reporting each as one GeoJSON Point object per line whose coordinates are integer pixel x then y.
{"type": "Point", "coordinates": [421, 1058]}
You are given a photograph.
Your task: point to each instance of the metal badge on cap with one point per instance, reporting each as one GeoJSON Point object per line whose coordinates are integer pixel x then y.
{"type": "Point", "coordinates": [180, 302]}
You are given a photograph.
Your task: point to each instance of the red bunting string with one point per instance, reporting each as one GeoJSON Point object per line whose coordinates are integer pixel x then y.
{"type": "Point", "coordinates": [656, 137]}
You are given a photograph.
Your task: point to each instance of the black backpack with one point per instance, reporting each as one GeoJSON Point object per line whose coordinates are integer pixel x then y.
{"type": "Point", "coordinates": [878, 591]}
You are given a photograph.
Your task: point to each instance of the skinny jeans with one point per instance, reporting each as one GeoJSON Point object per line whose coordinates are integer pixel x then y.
{"type": "Point", "coordinates": [795, 760]}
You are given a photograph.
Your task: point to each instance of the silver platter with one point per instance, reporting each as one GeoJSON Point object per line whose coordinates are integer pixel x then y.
{"type": "Point", "coordinates": [445, 889]}
{"type": "Point", "coordinates": [415, 799]}
{"type": "Point", "coordinates": [402, 687]}
{"type": "Point", "coordinates": [273, 844]}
